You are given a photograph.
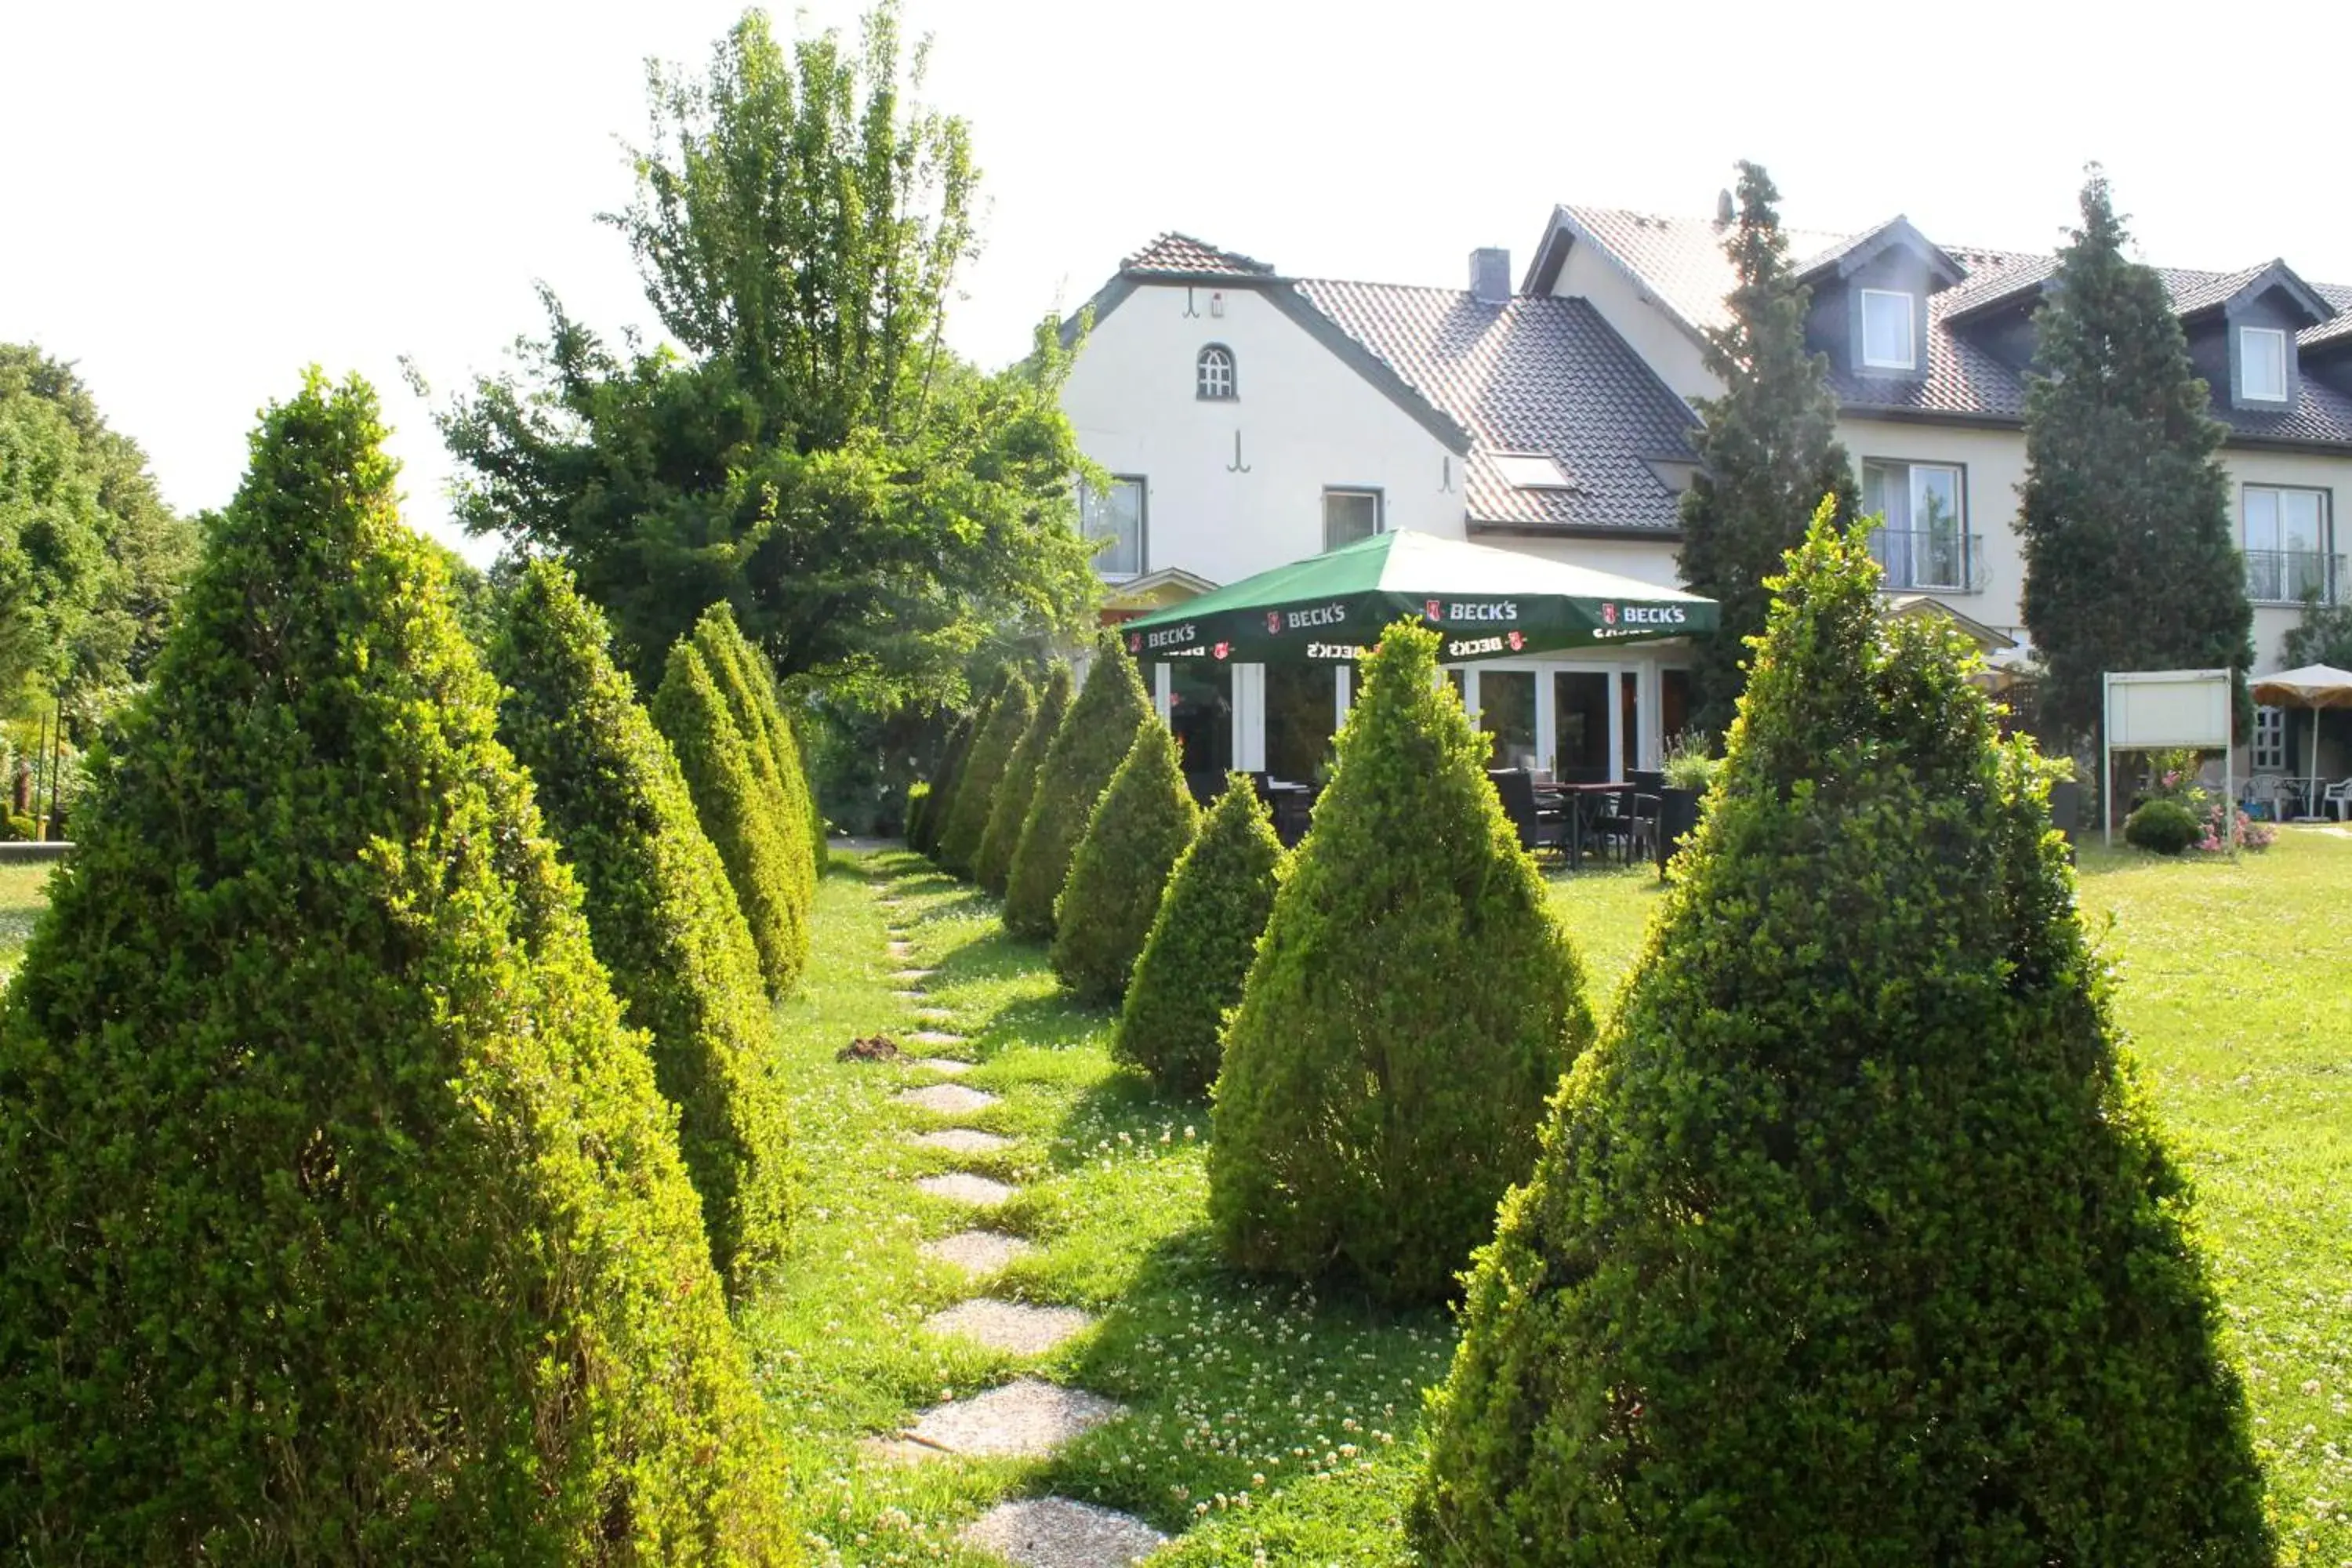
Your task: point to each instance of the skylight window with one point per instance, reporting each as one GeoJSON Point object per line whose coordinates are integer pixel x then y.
{"type": "Point", "coordinates": [1531, 471]}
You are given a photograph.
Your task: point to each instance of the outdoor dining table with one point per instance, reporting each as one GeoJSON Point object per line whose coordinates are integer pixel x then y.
{"type": "Point", "coordinates": [1577, 803]}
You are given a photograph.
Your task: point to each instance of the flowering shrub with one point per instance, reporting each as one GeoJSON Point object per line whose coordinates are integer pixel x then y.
{"type": "Point", "coordinates": [2250, 834]}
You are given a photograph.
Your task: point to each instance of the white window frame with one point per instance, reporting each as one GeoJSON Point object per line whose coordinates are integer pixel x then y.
{"type": "Point", "coordinates": [1910, 359]}
{"type": "Point", "coordinates": [2322, 545]}
{"type": "Point", "coordinates": [1912, 534]}
{"type": "Point", "coordinates": [2270, 335]}
{"type": "Point", "coordinates": [1216, 378]}
{"type": "Point", "coordinates": [2269, 748]}
{"type": "Point", "coordinates": [1143, 527]}
{"type": "Point", "coordinates": [1380, 509]}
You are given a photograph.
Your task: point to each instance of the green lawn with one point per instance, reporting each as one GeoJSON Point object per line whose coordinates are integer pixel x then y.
{"type": "Point", "coordinates": [1269, 1420]}
{"type": "Point", "coordinates": [24, 892]}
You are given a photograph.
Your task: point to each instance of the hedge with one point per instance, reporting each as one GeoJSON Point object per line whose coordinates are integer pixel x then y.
{"type": "Point", "coordinates": [1408, 1012]}
{"type": "Point", "coordinates": [1854, 1241]}
{"type": "Point", "coordinates": [737, 814]}
{"type": "Point", "coordinates": [1010, 809]}
{"type": "Point", "coordinates": [344, 1221]}
{"type": "Point", "coordinates": [1142, 823]}
{"type": "Point", "coordinates": [1203, 937]}
{"type": "Point", "coordinates": [983, 774]}
{"type": "Point", "coordinates": [748, 682]}
{"type": "Point", "coordinates": [660, 912]}
{"type": "Point", "coordinates": [1095, 737]}
{"type": "Point", "coordinates": [2162, 828]}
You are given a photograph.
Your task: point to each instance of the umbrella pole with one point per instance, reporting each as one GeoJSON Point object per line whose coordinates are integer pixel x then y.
{"type": "Point", "coordinates": [2311, 784]}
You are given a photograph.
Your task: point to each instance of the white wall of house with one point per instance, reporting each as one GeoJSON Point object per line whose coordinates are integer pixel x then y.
{"type": "Point", "coordinates": [1306, 419]}
{"type": "Point", "coordinates": [2298, 470]}
{"type": "Point", "coordinates": [1992, 463]}
{"type": "Point", "coordinates": [1639, 319]}
{"type": "Point", "coordinates": [1643, 560]}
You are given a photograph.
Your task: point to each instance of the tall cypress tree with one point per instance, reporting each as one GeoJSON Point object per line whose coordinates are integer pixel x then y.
{"type": "Point", "coordinates": [2130, 559]}
{"type": "Point", "coordinates": [748, 682]}
{"type": "Point", "coordinates": [1768, 449]}
{"type": "Point", "coordinates": [342, 1221]}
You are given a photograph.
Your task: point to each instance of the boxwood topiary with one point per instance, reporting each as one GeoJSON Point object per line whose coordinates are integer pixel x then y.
{"type": "Point", "coordinates": [1189, 974]}
{"type": "Point", "coordinates": [1018, 785]}
{"type": "Point", "coordinates": [746, 681]}
{"type": "Point", "coordinates": [923, 836]}
{"type": "Point", "coordinates": [1852, 1242]}
{"type": "Point", "coordinates": [1140, 825]}
{"type": "Point", "coordinates": [1408, 1012]}
{"type": "Point", "coordinates": [660, 912]}
{"type": "Point", "coordinates": [919, 800]}
{"type": "Point", "coordinates": [1095, 737]}
{"type": "Point", "coordinates": [739, 817]}
{"type": "Point", "coordinates": [983, 774]}
{"type": "Point", "coordinates": [2162, 828]}
{"type": "Point", "coordinates": [343, 1220]}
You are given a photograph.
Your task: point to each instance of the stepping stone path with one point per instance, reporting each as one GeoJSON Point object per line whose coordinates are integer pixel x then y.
{"type": "Point", "coordinates": [1012, 1326]}
{"type": "Point", "coordinates": [963, 1187]}
{"type": "Point", "coordinates": [963, 1140]}
{"type": "Point", "coordinates": [977, 1252]}
{"type": "Point", "coordinates": [1054, 1532]}
{"type": "Point", "coordinates": [1026, 1417]}
{"type": "Point", "coordinates": [947, 1098]}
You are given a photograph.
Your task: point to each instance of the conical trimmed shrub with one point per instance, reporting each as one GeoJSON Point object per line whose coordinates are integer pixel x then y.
{"type": "Point", "coordinates": [1019, 785]}
{"type": "Point", "coordinates": [661, 914]}
{"type": "Point", "coordinates": [1408, 1012]}
{"type": "Point", "coordinates": [1203, 937]}
{"type": "Point", "coordinates": [1854, 1241]}
{"type": "Point", "coordinates": [343, 1219]}
{"type": "Point", "coordinates": [923, 829]}
{"type": "Point", "coordinates": [1141, 824]}
{"type": "Point", "coordinates": [746, 679]}
{"type": "Point", "coordinates": [1096, 736]}
{"type": "Point", "coordinates": [736, 812]}
{"type": "Point", "coordinates": [983, 774]}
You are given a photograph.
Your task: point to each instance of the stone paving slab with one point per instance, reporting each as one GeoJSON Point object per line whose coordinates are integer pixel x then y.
{"type": "Point", "coordinates": [948, 1099]}
{"type": "Point", "coordinates": [963, 1187]}
{"type": "Point", "coordinates": [910, 976]}
{"type": "Point", "coordinates": [1025, 1416]}
{"type": "Point", "coordinates": [947, 1065]}
{"type": "Point", "coordinates": [1013, 1326]}
{"type": "Point", "coordinates": [934, 1016]}
{"type": "Point", "coordinates": [936, 1038]}
{"type": "Point", "coordinates": [898, 949]}
{"type": "Point", "coordinates": [977, 1252]}
{"type": "Point", "coordinates": [1056, 1533]}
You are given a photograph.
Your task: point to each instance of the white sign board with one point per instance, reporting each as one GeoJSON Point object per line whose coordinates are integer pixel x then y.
{"type": "Point", "coordinates": [2165, 710]}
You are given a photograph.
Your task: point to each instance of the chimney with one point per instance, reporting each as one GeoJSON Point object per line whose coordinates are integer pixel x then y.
{"type": "Point", "coordinates": [1725, 213]}
{"type": "Point", "coordinates": [1490, 275]}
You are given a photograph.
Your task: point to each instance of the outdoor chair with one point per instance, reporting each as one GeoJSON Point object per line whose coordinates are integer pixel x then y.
{"type": "Point", "coordinates": [2260, 796]}
{"type": "Point", "coordinates": [1539, 829]}
{"type": "Point", "coordinates": [2337, 798]}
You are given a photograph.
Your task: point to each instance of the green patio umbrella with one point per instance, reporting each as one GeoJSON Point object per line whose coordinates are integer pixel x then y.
{"type": "Point", "coordinates": [1487, 604]}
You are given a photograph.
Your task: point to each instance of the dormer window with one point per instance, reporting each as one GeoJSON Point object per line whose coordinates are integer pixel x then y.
{"type": "Point", "coordinates": [1888, 341]}
{"type": "Point", "coordinates": [2262, 365]}
{"type": "Point", "coordinates": [1213, 377]}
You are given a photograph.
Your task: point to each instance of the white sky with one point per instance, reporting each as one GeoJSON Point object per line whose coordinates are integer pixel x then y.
{"type": "Point", "coordinates": [202, 199]}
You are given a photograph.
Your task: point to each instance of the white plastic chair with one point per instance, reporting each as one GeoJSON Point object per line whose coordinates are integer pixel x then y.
{"type": "Point", "coordinates": [2337, 798]}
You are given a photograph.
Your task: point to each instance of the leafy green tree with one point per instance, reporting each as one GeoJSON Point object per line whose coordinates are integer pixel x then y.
{"type": "Point", "coordinates": [2323, 636]}
{"type": "Point", "coordinates": [1852, 1241]}
{"type": "Point", "coordinates": [742, 676]}
{"type": "Point", "coordinates": [1010, 809]}
{"type": "Point", "coordinates": [984, 775]}
{"type": "Point", "coordinates": [877, 509]}
{"type": "Point", "coordinates": [660, 912]}
{"type": "Point", "coordinates": [2130, 559]}
{"type": "Point", "coordinates": [1202, 939]}
{"type": "Point", "coordinates": [1142, 823]}
{"type": "Point", "coordinates": [736, 812]}
{"type": "Point", "coordinates": [1408, 1012]}
{"type": "Point", "coordinates": [1095, 735]}
{"type": "Point", "coordinates": [344, 1221]}
{"type": "Point", "coordinates": [91, 558]}
{"type": "Point", "coordinates": [1768, 449]}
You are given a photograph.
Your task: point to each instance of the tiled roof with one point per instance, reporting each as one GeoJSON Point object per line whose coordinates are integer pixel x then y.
{"type": "Point", "coordinates": [1180, 254]}
{"type": "Point", "coordinates": [1680, 261]}
{"type": "Point", "coordinates": [1537, 374]}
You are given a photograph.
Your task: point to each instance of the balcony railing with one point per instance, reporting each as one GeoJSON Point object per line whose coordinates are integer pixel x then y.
{"type": "Point", "coordinates": [1943, 562]}
{"type": "Point", "coordinates": [2293, 576]}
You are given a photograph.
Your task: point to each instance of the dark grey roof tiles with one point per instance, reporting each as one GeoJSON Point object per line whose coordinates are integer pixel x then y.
{"type": "Point", "coordinates": [1537, 374]}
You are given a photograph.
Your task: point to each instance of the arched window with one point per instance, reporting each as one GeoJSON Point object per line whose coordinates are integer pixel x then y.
{"type": "Point", "coordinates": [1214, 376]}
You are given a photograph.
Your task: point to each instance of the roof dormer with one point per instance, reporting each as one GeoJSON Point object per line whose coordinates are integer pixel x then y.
{"type": "Point", "coordinates": [1869, 309]}
{"type": "Point", "coordinates": [2242, 330]}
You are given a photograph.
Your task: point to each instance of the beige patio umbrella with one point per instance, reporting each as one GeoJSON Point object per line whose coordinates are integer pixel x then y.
{"type": "Point", "coordinates": [2315, 685]}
